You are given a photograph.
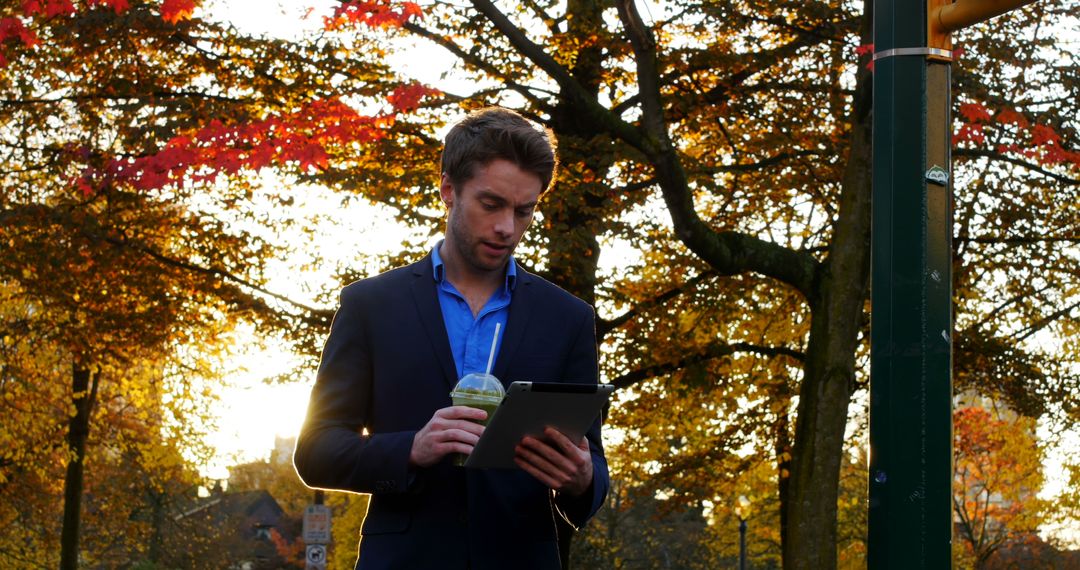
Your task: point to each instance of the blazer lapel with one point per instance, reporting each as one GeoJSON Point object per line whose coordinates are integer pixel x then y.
{"type": "Point", "coordinates": [427, 305]}
{"type": "Point", "coordinates": [521, 307]}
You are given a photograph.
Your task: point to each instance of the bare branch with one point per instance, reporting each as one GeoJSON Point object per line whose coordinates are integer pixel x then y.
{"type": "Point", "coordinates": [1020, 240]}
{"type": "Point", "coordinates": [603, 327]}
{"type": "Point", "coordinates": [728, 252]}
{"type": "Point", "coordinates": [476, 62]}
{"type": "Point", "coordinates": [982, 153]}
{"type": "Point", "coordinates": [717, 350]}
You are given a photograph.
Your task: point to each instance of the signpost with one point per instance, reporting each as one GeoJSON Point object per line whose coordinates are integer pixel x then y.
{"type": "Point", "coordinates": [910, 510]}
{"type": "Point", "coordinates": [316, 557]}
{"type": "Point", "coordinates": [316, 535]}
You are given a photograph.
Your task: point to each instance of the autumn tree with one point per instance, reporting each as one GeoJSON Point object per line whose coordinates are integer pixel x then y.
{"type": "Point", "coordinates": [998, 474]}
{"type": "Point", "coordinates": [132, 229]}
{"type": "Point", "coordinates": [139, 453]}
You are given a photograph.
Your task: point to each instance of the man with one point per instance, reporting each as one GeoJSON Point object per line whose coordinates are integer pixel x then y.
{"type": "Point", "coordinates": [380, 419]}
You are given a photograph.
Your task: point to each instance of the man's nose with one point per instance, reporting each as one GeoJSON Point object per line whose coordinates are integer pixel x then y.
{"type": "Point", "coordinates": [504, 222]}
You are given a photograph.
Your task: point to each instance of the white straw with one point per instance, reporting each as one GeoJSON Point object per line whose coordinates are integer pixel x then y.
{"type": "Point", "coordinates": [491, 355]}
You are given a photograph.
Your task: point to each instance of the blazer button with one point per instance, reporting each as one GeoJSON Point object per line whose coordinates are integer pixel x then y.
{"type": "Point", "coordinates": [463, 517]}
{"type": "Point", "coordinates": [383, 486]}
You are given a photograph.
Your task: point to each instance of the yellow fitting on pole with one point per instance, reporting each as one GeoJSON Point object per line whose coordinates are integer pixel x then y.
{"type": "Point", "coordinates": [952, 17]}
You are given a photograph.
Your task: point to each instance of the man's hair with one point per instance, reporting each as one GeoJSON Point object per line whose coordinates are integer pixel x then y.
{"type": "Point", "coordinates": [492, 133]}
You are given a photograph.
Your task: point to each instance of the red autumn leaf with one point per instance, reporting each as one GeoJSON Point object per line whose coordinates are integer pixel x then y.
{"type": "Point", "coordinates": [83, 186]}
{"type": "Point", "coordinates": [375, 14]}
{"type": "Point", "coordinates": [312, 155]}
{"type": "Point", "coordinates": [172, 11]}
{"type": "Point", "coordinates": [1044, 135]}
{"type": "Point", "coordinates": [407, 97]}
{"type": "Point", "coordinates": [262, 155]}
{"type": "Point", "coordinates": [14, 28]}
{"type": "Point", "coordinates": [866, 49]}
{"type": "Point", "coordinates": [118, 6]}
{"type": "Point", "coordinates": [975, 112]}
{"type": "Point", "coordinates": [229, 161]}
{"type": "Point", "coordinates": [302, 138]}
{"type": "Point", "coordinates": [969, 132]}
{"type": "Point", "coordinates": [31, 7]}
{"type": "Point", "coordinates": [1009, 116]}
{"type": "Point", "coordinates": [58, 8]}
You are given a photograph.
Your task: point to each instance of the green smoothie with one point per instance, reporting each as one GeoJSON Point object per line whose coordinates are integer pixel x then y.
{"type": "Point", "coordinates": [477, 390]}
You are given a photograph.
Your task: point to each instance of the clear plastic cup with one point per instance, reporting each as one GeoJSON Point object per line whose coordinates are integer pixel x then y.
{"type": "Point", "coordinates": [477, 390]}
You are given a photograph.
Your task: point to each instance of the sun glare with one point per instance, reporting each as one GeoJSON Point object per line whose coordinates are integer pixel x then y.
{"type": "Point", "coordinates": [251, 414]}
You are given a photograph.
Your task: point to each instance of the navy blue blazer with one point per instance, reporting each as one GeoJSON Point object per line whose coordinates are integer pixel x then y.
{"type": "Point", "coordinates": [386, 368]}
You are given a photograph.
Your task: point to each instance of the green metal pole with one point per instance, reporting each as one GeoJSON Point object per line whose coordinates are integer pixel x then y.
{"type": "Point", "coordinates": [910, 510]}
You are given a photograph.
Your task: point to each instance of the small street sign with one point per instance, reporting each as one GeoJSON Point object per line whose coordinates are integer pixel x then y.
{"type": "Point", "coordinates": [316, 525]}
{"type": "Point", "coordinates": [316, 557]}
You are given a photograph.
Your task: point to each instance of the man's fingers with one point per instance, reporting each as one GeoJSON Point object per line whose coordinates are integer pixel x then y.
{"type": "Point", "coordinates": [556, 461]}
{"type": "Point", "coordinates": [547, 459]}
{"type": "Point", "coordinates": [440, 425]}
{"type": "Point", "coordinates": [462, 435]}
{"type": "Point", "coordinates": [569, 447]}
{"type": "Point", "coordinates": [538, 466]}
{"type": "Point", "coordinates": [536, 473]}
{"type": "Point", "coordinates": [462, 413]}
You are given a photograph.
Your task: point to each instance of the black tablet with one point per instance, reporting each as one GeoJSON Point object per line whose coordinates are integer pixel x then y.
{"type": "Point", "coordinates": [527, 409]}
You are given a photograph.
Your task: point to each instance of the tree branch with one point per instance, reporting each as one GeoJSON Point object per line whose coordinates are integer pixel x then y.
{"type": "Point", "coordinates": [717, 350]}
{"type": "Point", "coordinates": [604, 326]}
{"type": "Point", "coordinates": [578, 96]}
{"type": "Point", "coordinates": [728, 252]}
{"type": "Point", "coordinates": [982, 153]}
{"type": "Point", "coordinates": [316, 316]}
{"type": "Point", "coordinates": [765, 162]}
{"type": "Point", "coordinates": [477, 62]}
{"type": "Point", "coordinates": [1044, 322]}
{"type": "Point", "coordinates": [1022, 240]}
{"type": "Point", "coordinates": [119, 97]}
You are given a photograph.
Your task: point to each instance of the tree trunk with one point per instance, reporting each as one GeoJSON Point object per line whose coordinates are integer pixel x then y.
{"type": "Point", "coordinates": [837, 315]}
{"type": "Point", "coordinates": [84, 390]}
{"type": "Point", "coordinates": [573, 221]}
{"type": "Point", "coordinates": [157, 501]}
{"type": "Point", "coordinates": [782, 450]}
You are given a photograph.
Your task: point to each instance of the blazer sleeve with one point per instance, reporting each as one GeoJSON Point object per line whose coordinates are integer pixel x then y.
{"type": "Point", "coordinates": [583, 367]}
{"type": "Point", "coordinates": [334, 449]}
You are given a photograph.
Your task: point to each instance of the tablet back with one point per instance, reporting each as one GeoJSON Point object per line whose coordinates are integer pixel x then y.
{"type": "Point", "coordinates": [527, 409]}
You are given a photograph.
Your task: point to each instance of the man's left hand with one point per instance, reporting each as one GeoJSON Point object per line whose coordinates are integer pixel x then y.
{"type": "Point", "coordinates": [557, 462]}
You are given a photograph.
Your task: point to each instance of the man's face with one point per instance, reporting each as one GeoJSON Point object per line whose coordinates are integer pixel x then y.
{"type": "Point", "coordinates": [488, 214]}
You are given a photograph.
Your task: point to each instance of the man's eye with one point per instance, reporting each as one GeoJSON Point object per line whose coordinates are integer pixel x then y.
{"type": "Point", "coordinates": [490, 206]}
{"type": "Point", "coordinates": [524, 212]}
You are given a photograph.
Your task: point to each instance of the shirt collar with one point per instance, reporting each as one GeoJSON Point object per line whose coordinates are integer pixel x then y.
{"type": "Point", "coordinates": [440, 276]}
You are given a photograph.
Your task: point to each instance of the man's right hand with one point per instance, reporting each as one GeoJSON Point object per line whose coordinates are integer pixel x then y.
{"type": "Point", "coordinates": [448, 431]}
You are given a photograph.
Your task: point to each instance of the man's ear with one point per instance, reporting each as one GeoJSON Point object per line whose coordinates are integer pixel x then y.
{"type": "Point", "coordinates": [446, 191]}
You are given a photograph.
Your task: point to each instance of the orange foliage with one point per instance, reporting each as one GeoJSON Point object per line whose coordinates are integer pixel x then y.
{"type": "Point", "coordinates": [31, 12]}
{"type": "Point", "coordinates": [376, 14]}
{"type": "Point", "coordinates": [998, 473]}
{"type": "Point", "coordinates": [303, 137]}
{"type": "Point", "coordinates": [172, 11]}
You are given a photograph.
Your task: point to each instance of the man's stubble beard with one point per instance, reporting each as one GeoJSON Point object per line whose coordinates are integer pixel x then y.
{"type": "Point", "coordinates": [467, 245]}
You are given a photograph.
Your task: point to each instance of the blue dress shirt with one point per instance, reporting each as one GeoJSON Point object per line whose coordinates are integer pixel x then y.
{"type": "Point", "coordinates": [470, 337]}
